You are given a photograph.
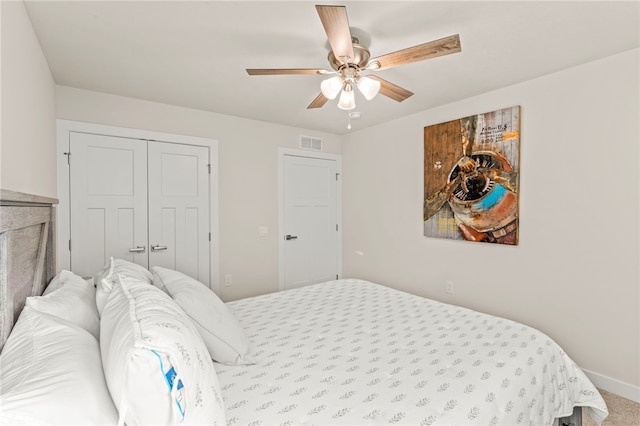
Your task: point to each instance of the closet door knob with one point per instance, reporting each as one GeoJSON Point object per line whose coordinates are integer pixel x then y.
{"type": "Point", "coordinates": [139, 249]}
{"type": "Point", "coordinates": [158, 248]}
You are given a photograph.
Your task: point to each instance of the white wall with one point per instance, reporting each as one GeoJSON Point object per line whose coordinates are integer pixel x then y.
{"type": "Point", "coordinates": [575, 274]}
{"type": "Point", "coordinates": [27, 149]}
{"type": "Point", "coordinates": [248, 174]}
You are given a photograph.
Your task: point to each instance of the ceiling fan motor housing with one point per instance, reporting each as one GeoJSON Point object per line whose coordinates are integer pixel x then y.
{"type": "Point", "coordinates": [360, 60]}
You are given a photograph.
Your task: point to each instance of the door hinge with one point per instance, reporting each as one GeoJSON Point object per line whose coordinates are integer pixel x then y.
{"type": "Point", "coordinates": [69, 245]}
{"type": "Point", "coordinates": [68, 154]}
{"type": "Point", "coordinates": [336, 276]}
{"type": "Point", "coordinates": [337, 174]}
{"type": "Point", "coordinates": [336, 226]}
{"type": "Point", "coordinates": [209, 236]}
{"type": "Point", "coordinates": [209, 168]}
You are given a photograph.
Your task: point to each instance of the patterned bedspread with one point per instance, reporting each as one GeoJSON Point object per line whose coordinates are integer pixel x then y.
{"type": "Point", "coordinates": [352, 352]}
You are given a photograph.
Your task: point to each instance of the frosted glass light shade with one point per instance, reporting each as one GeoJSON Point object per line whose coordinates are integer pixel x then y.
{"type": "Point", "coordinates": [331, 87]}
{"type": "Point", "coordinates": [369, 87]}
{"type": "Point", "coordinates": [347, 99]}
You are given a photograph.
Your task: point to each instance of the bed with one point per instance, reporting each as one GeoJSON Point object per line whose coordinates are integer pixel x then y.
{"type": "Point", "coordinates": [355, 352]}
{"type": "Point", "coordinates": [344, 352]}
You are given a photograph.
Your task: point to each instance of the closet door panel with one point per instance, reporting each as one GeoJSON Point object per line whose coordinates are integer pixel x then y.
{"type": "Point", "coordinates": [179, 208]}
{"type": "Point", "coordinates": [108, 202]}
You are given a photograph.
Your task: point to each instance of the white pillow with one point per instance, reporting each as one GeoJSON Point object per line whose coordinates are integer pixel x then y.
{"type": "Point", "coordinates": [56, 282]}
{"type": "Point", "coordinates": [156, 366]}
{"type": "Point", "coordinates": [51, 373]}
{"type": "Point", "coordinates": [72, 299]}
{"type": "Point", "coordinates": [105, 278]}
{"type": "Point", "coordinates": [158, 282]}
{"type": "Point", "coordinates": [225, 338]}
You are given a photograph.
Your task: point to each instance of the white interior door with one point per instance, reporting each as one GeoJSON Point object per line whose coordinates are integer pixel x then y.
{"type": "Point", "coordinates": [310, 220]}
{"type": "Point", "coordinates": [108, 202]}
{"type": "Point", "coordinates": [179, 208]}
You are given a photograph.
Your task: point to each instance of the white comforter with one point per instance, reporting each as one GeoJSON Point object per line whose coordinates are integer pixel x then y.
{"type": "Point", "coordinates": [352, 352]}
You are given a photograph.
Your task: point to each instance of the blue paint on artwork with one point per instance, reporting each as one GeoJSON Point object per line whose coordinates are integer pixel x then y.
{"type": "Point", "coordinates": [492, 198]}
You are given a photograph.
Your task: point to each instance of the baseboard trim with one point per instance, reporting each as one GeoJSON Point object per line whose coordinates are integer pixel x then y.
{"type": "Point", "coordinates": [625, 390]}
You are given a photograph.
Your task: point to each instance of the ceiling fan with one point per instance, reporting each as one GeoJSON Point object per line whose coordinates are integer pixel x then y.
{"type": "Point", "coordinates": [348, 58]}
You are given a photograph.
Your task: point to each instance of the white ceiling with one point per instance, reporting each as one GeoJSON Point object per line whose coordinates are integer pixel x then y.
{"type": "Point", "coordinates": [194, 53]}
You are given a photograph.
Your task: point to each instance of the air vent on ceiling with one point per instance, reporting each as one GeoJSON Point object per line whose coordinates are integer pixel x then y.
{"type": "Point", "coordinates": [307, 142]}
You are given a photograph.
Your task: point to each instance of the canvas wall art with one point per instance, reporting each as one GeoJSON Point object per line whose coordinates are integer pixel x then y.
{"type": "Point", "coordinates": [471, 177]}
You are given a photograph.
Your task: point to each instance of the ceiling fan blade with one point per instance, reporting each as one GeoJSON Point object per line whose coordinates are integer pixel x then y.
{"type": "Point", "coordinates": [336, 25]}
{"type": "Point", "coordinates": [318, 102]}
{"type": "Point", "coordinates": [391, 90]}
{"type": "Point", "coordinates": [286, 71]}
{"type": "Point", "coordinates": [432, 49]}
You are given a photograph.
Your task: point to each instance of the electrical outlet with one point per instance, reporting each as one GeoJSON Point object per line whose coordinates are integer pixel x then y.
{"type": "Point", "coordinates": [228, 280]}
{"type": "Point", "coordinates": [448, 287]}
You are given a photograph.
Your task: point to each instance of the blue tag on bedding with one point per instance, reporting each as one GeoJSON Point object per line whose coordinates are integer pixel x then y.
{"type": "Point", "coordinates": [171, 376]}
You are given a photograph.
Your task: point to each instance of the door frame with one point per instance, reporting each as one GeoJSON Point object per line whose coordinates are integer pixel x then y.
{"type": "Point", "coordinates": [282, 152]}
{"type": "Point", "coordinates": [63, 225]}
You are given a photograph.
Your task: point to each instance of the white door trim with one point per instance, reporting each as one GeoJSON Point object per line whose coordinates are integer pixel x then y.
{"type": "Point", "coordinates": [65, 127]}
{"type": "Point", "coordinates": [282, 152]}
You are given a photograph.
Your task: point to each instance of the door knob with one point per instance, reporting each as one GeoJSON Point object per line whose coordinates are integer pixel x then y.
{"type": "Point", "coordinates": [138, 249]}
{"type": "Point", "coordinates": [158, 248]}
{"type": "Point", "coordinates": [290, 237]}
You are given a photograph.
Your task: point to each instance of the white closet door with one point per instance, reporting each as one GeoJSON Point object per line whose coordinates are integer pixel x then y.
{"type": "Point", "coordinates": [179, 208]}
{"type": "Point", "coordinates": [310, 221]}
{"type": "Point", "coordinates": [108, 202]}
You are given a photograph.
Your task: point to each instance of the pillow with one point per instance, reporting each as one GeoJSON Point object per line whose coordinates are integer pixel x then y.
{"type": "Point", "coordinates": [158, 282]}
{"type": "Point", "coordinates": [72, 299]}
{"type": "Point", "coordinates": [51, 373]}
{"type": "Point", "coordinates": [225, 338]}
{"type": "Point", "coordinates": [56, 282]}
{"type": "Point", "coordinates": [157, 368]}
{"type": "Point", "coordinates": [106, 277]}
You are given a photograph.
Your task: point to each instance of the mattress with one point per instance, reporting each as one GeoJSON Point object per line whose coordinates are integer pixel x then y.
{"type": "Point", "coordinates": [354, 352]}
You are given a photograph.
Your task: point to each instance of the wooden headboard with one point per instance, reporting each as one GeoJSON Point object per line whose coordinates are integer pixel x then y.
{"type": "Point", "coordinates": [27, 252]}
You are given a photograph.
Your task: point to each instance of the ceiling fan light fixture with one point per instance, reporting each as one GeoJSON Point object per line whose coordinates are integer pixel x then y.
{"type": "Point", "coordinates": [347, 99]}
{"type": "Point", "coordinates": [331, 87]}
{"type": "Point", "coordinates": [369, 87]}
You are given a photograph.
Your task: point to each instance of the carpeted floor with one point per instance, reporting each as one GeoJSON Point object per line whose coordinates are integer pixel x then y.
{"type": "Point", "coordinates": [622, 411]}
